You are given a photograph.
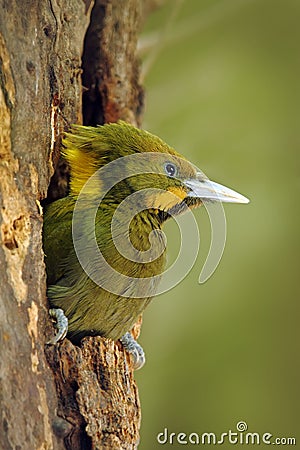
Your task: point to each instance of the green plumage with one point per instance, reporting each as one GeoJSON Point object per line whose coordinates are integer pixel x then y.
{"type": "Point", "coordinates": [91, 309]}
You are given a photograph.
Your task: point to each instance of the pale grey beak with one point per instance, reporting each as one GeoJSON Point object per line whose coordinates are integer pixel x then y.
{"type": "Point", "coordinates": [206, 189]}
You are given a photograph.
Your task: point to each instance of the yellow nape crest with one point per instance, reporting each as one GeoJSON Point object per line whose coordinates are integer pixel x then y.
{"type": "Point", "coordinates": [82, 160]}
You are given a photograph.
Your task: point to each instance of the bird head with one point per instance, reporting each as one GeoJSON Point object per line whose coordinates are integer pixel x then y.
{"type": "Point", "coordinates": [169, 182]}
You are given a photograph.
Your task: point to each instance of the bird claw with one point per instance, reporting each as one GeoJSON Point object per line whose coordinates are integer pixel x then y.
{"type": "Point", "coordinates": [128, 342]}
{"type": "Point", "coordinates": [61, 325]}
{"type": "Point", "coordinates": [135, 350]}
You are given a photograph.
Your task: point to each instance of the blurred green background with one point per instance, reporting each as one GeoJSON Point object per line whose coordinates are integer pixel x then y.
{"type": "Point", "coordinates": [223, 89]}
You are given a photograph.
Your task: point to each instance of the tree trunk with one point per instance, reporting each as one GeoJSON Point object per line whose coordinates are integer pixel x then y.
{"type": "Point", "coordinates": [64, 396]}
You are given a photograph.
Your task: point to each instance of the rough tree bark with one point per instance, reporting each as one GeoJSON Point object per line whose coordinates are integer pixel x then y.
{"type": "Point", "coordinates": [65, 396]}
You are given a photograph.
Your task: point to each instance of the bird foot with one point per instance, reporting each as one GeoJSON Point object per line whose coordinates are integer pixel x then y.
{"type": "Point", "coordinates": [135, 350]}
{"type": "Point", "coordinates": [61, 324]}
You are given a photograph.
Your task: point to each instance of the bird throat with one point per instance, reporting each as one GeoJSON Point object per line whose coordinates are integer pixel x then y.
{"type": "Point", "coordinates": [134, 246]}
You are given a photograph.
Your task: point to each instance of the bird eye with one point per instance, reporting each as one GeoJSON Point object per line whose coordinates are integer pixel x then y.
{"type": "Point", "coordinates": [170, 169]}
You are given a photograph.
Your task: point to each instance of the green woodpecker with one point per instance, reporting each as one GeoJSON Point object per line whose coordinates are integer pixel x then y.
{"type": "Point", "coordinates": [93, 287]}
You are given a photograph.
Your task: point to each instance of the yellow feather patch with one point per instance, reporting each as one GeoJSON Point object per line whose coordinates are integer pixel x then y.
{"type": "Point", "coordinates": [166, 200]}
{"type": "Point", "coordinates": [83, 166]}
{"type": "Point", "coordinates": [179, 191]}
